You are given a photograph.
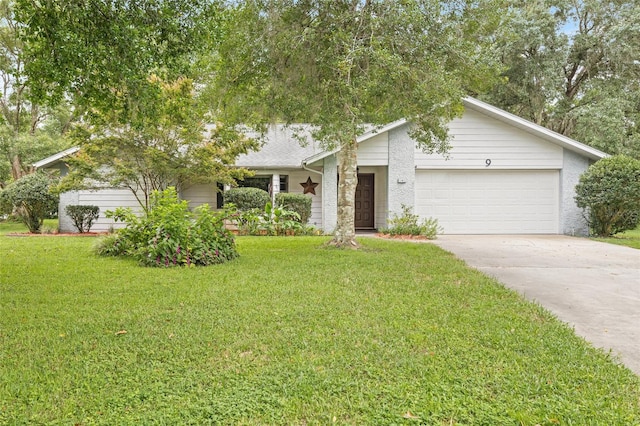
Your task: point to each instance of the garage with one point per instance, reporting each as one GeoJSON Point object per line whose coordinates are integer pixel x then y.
{"type": "Point", "coordinates": [490, 201]}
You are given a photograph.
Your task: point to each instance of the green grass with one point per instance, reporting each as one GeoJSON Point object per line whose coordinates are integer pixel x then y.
{"type": "Point", "coordinates": [8, 227]}
{"type": "Point", "coordinates": [627, 238]}
{"type": "Point", "coordinates": [289, 333]}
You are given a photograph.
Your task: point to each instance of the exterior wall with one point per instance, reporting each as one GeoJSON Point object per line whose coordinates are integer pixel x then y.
{"type": "Point", "coordinates": [105, 199]}
{"type": "Point", "coordinates": [478, 138]}
{"type": "Point", "coordinates": [69, 198]}
{"type": "Point", "coordinates": [330, 190]}
{"type": "Point", "coordinates": [298, 176]}
{"type": "Point", "coordinates": [200, 194]}
{"type": "Point", "coordinates": [401, 172]}
{"type": "Point", "coordinates": [571, 220]}
{"type": "Point", "coordinates": [374, 152]}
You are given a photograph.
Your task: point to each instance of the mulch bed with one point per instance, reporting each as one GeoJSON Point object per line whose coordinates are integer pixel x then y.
{"type": "Point", "coordinates": [403, 237]}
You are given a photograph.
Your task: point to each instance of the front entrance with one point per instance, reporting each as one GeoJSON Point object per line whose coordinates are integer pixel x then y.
{"type": "Point", "coordinates": [364, 217]}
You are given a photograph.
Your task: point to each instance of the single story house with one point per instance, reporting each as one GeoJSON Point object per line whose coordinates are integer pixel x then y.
{"type": "Point", "coordinates": [503, 175]}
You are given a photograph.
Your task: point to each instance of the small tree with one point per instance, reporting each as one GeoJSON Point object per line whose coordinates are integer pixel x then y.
{"type": "Point", "coordinates": [609, 193]}
{"type": "Point", "coordinates": [83, 216]}
{"type": "Point", "coordinates": [31, 199]}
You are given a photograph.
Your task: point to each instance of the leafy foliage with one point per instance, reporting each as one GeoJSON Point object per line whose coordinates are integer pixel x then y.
{"type": "Point", "coordinates": [101, 53]}
{"type": "Point", "coordinates": [170, 235]}
{"type": "Point", "coordinates": [299, 203]}
{"type": "Point", "coordinates": [31, 199]}
{"type": "Point", "coordinates": [166, 145]}
{"type": "Point", "coordinates": [29, 130]}
{"type": "Point", "coordinates": [571, 66]}
{"type": "Point", "coordinates": [247, 198]}
{"type": "Point", "coordinates": [82, 216]}
{"type": "Point", "coordinates": [609, 192]}
{"type": "Point", "coordinates": [271, 221]}
{"type": "Point", "coordinates": [340, 65]}
{"type": "Point", "coordinates": [409, 224]}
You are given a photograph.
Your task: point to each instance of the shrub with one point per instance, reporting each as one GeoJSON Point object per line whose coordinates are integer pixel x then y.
{"type": "Point", "coordinates": [31, 199]}
{"type": "Point", "coordinates": [247, 198]}
{"type": "Point", "coordinates": [609, 194]}
{"type": "Point", "coordinates": [409, 224]}
{"type": "Point", "coordinates": [298, 203]}
{"type": "Point", "coordinates": [271, 221]}
{"type": "Point", "coordinates": [83, 216]}
{"type": "Point", "coordinates": [170, 235]}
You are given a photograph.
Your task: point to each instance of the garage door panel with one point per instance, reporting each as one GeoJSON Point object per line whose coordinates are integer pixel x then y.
{"type": "Point", "coordinates": [490, 202]}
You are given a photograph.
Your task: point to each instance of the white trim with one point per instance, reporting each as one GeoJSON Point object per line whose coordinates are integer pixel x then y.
{"type": "Point", "coordinates": [532, 128]}
{"type": "Point", "coordinates": [363, 137]}
{"type": "Point", "coordinates": [56, 157]}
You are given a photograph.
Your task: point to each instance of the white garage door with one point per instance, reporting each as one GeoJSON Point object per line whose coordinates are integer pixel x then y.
{"type": "Point", "coordinates": [490, 201]}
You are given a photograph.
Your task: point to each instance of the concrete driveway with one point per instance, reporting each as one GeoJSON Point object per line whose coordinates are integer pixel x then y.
{"type": "Point", "coordinates": [592, 286]}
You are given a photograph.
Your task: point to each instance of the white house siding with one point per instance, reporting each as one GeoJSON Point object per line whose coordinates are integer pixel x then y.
{"type": "Point", "coordinates": [105, 199]}
{"type": "Point", "coordinates": [297, 177]}
{"type": "Point", "coordinates": [478, 138]}
{"type": "Point", "coordinates": [490, 201]}
{"type": "Point", "coordinates": [374, 151]}
{"type": "Point", "coordinates": [200, 194]}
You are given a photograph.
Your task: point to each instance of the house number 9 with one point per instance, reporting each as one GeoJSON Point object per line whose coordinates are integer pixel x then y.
{"type": "Point", "coordinates": [487, 162]}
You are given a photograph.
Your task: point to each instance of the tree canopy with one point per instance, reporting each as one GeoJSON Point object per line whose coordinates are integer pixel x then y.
{"type": "Point", "coordinates": [29, 130]}
{"type": "Point", "coordinates": [343, 64]}
{"type": "Point", "coordinates": [101, 52]}
{"type": "Point", "coordinates": [571, 65]}
{"type": "Point", "coordinates": [168, 145]}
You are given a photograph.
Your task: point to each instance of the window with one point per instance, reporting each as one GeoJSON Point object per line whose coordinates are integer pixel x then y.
{"type": "Point", "coordinates": [262, 182]}
{"type": "Point", "coordinates": [284, 183]}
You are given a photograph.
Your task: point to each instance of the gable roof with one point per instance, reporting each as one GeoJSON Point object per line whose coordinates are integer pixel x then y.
{"type": "Point", "coordinates": [532, 128]}
{"type": "Point", "coordinates": [49, 161]}
{"type": "Point", "coordinates": [498, 114]}
{"type": "Point", "coordinates": [283, 150]}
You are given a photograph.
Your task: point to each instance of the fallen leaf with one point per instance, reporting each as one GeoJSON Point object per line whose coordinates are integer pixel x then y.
{"type": "Point", "coordinates": [118, 333]}
{"type": "Point", "coordinates": [409, 415]}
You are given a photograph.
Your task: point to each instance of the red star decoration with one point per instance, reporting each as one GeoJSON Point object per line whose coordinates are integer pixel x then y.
{"type": "Point", "coordinates": [309, 186]}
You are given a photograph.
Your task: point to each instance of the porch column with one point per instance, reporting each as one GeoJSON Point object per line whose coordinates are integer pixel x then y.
{"type": "Point", "coordinates": [330, 194]}
{"type": "Point", "coordinates": [275, 187]}
{"type": "Point", "coordinates": [401, 172]}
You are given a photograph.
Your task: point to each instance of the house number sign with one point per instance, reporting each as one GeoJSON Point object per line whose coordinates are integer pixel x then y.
{"type": "Point", "coordinates": [487, 162]}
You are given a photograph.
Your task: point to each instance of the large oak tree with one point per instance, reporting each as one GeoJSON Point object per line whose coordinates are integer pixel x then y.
{"type": "Point", "coordinates": [572, 66]}
{"type": "Point", "coordinates": [341, 65]}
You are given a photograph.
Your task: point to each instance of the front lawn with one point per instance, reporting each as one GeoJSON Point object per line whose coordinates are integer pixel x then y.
{"type": "Point", "coordinates": [627, 238]}
{"type": "Point", "coordinates": [289, 333]}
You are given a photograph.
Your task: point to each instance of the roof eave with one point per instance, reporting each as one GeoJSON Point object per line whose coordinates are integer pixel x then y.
{"type": "Point", "coordinates": [55, 157]}
{"type": "Point", "coordinates": [363, 137]}
{"type": "Point", "coordinates": [534, 129]}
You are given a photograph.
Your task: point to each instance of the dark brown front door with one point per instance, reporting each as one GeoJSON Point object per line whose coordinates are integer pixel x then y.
{"type": "Point", "coordinates": [364, 202]}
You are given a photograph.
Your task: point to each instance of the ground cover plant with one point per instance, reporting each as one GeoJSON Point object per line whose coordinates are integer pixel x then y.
{"type": "Point", "coordinates": [288, 333]}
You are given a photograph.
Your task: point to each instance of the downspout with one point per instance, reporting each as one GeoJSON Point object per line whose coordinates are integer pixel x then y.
{"type": "Point", "coordinates": [304, 166]}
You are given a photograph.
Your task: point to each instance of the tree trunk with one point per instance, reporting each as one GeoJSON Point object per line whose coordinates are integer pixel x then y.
{"type": "Point", "coordinates": [345, 232]}
{"type": "Point", "coordinates": [17, 171]}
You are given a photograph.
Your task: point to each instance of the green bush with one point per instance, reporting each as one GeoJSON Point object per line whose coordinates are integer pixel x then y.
{"type": "Point", "coordinates": [609, 194]}
{"type": "Point", "coordinates": [83, 216]}
{"type": "Point", "coordinates": [170, 235]}
{"type": "Point", "coordinates": [247, 198]}
{"type": "Point", "coordinates": [271, 221]}
{"type": "Point", "coordinates": [409, 224]}
{"type": "Point", "coordinates": [31, 199]}
{"type": "Point", "coordinates": [298, 203]}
